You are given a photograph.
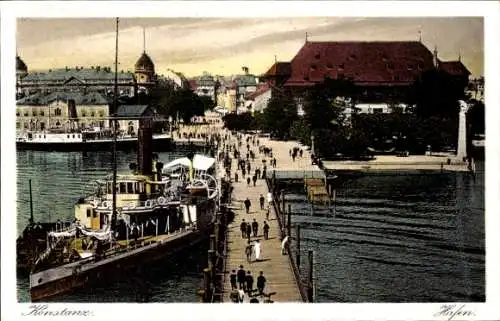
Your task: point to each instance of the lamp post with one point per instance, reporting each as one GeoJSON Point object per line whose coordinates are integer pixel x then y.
{"type": "Point", "coordinates": [170, 119]}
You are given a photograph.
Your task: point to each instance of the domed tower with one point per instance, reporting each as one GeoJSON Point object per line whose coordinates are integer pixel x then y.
{"type": "Point", "coordinates": [144, 68]}
{"type": "Point", "coordinates": [21, 68]}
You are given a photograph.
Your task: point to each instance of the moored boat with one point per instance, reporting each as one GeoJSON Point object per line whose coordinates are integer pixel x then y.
{"type": "Point", "coordinates": [86, 139]}
{"type": "Point", "coordinates": [157, 215]}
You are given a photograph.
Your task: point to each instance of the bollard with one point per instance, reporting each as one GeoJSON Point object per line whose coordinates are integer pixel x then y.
{"type": "Point", "coordinates": [289, 220]}
{"type": "Point", "coordinates": [297, 232]}
{"type": "Point", "coordinates": [212, 242]}
{"type": "Point", "coordinates": [310, 284]}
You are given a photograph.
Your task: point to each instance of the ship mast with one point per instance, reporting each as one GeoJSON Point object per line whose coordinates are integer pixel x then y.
{"type": "Point", "coordinates": [115, 107]}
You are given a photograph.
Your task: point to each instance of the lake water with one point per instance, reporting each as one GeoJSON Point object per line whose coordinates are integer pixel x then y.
{"type": "Point", "coordinates": [392, 238]}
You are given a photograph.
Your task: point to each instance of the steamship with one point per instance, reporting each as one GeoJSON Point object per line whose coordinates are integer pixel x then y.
{"type": "Point", "coordinates": [85, 139]}
{"type": "Point", "coordinates": [159, 211]}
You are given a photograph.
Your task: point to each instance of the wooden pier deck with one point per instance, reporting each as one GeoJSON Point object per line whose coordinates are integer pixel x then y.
{"type": "Point", "coordinates": [276, 267]}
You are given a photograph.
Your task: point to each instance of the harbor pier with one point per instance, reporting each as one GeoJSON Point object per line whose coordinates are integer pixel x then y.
{"type": "Point", "coordinates": [282, 280]}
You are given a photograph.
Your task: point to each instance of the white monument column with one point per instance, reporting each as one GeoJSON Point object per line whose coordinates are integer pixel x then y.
{"type": "Point", "coordinates": [462, 131]}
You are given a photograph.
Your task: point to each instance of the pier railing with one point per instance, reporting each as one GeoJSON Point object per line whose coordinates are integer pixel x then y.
{"type": "Point", "coordinates": [303, 285]}
{"type": "Point", "coordinates": [295, 174]}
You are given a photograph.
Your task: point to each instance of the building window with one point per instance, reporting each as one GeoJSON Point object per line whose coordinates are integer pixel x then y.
{"type": "Point", "coordinates": [25, 114]}
{"type": "Point", "coordinates": [18, 125]}
{"type": "Point", "coordinates": [57, 112]}
{"type": "Point", "coordinates": [101, 114]}
{"type": "Point", "coordinates": [34, 113]}
{"type": "Point", "coordinates": [42, 113]}
{"type": "Point", "coordinates": [26, 125]}
{"type": "Point", "coordinates": [18, 113]}
{"type": "Point", "coordinates": [92, 114]}
{"type": "Point", "coordinates": [89, 212]}
{"type": "Point", "coordinates": [84, 114]}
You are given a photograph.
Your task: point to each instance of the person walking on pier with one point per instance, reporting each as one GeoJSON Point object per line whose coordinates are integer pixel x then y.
{"type": "Point", "coordinates": [261, 283]}
{"type": "Point", "coordinates": [254, 179]}
{"type": "Point", "coordinates": [274, 162]}
{"type": "Point", "coordinates": [265, 228]}
{"type": "Point", "coordinates": [248, 181]}
{"type": "Point", "coordinates": [261, 200]}
{"type": "Point", "coordinates": [247, 205]}
{"type": "Point", "coordinates": [284, 245]}
{"type": "Point", "coordinates": [257, 250]}
{"type": "Point", "coordinates": [236, 177]}
{"type": "Point", "coordinates": [269, 198]}
{"type": "Point", "coordinates": [249, 280]}
{"type": "Point", "coordinates": [241, 277]}
{"type": "Point", "coordinates": [233, 280]}
{"type": "Point", "coordinates": [255, 227]}
{"type": "Point", "coordinates": [243, 228]}
{"type": "Point", "coordinates": [249, 231]}
{"type": "Point", "coordinates": [248, 251]}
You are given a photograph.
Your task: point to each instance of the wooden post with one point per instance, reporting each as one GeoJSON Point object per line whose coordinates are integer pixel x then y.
{"type": "Point", "coordinates": [31, 205]}
{"type": "Point", "coordinates": [283, 201]}
{"type": "Point", "coordinates": [216, 233]}
{"type": "Point", "coordinates": [212, 242]}
{"type": "Point", "coordinates": [334, 202]}
{"type": "Point", "coordinates": [289, 220]}
{"type": "Point", "coordinates": [206, 284]}
{"type": "Point", "coordinates": [212, 257]}
{"type": "Point", "coordinates": [297, 241]}
{"type": "Point", "coordinates": [310, 285]}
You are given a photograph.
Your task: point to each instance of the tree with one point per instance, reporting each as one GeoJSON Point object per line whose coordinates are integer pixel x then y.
{"type": "Point", "coordinates": [208, 103]}
{"type": "Point", "coordinates": [279, 115]}
{"type": "Point", "coordinates": [476, 117]}
{"type": "Point", "coordinates": [436, 93]}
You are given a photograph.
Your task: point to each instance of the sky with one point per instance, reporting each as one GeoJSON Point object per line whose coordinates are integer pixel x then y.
{"type": "Point", "coordinates": [223, 45]}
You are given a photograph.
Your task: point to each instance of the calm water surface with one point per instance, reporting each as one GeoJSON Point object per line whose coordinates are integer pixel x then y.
{"type": "Point", "coordinates": [392, 238]}
{"type": "Point", "coordinates": [415, 238]}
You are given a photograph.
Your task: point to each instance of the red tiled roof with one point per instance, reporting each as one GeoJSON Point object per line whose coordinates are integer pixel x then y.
{"type": "Point", "coordinates": [263, 88]}
{"type": "Point", "coordinates": [391, 62]}
{"type": "Point", "coordinates": [279, 69]}
{"type": "Point", "coordinates": [454, 68]}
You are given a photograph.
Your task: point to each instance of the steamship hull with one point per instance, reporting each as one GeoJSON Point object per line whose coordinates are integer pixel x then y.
{"type": "Point", "coordinates": [161, 143]}
{"type": "Point", "coordinates": [50, 283]}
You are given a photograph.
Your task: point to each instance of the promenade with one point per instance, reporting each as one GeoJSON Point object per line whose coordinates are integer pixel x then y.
{"type": "Point", "coordinates": [275, 266]}
{"type": "Point", "coordinates": [389, 163]}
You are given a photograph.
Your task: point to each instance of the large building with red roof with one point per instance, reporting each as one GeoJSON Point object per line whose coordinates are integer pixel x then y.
{"type": "Point", "coordinates": [382, 71]}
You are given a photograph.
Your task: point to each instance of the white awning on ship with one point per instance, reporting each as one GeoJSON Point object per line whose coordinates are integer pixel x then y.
{"type": "Point", "coordinates": [200, 162]}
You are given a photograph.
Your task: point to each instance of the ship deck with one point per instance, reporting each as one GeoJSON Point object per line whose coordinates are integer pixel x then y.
{"type": "Point", "coordinates": [85, 265]}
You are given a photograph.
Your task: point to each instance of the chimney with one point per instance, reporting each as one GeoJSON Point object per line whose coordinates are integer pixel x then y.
{"type": "Point", "coordinates": [144, 147]}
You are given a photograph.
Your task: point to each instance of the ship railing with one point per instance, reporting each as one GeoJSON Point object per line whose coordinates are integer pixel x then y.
{"type": "Point", "coordinates": [138, 205]}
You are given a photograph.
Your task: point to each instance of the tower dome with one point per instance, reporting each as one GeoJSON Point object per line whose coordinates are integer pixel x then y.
{"type": "Point", "coordinates": [21, 66]}
{"type": "Point", "coordinates": [144, 64]}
